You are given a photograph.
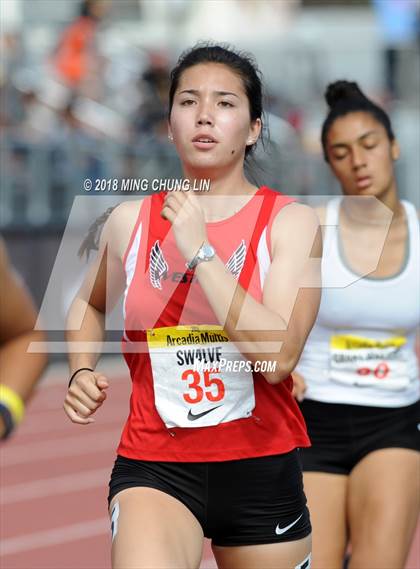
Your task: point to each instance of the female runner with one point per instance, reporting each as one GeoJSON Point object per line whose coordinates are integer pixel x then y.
{"type": "Point", "coordinates": [359, 365]}
{"type": "Point", "coordinates": [206, 452]}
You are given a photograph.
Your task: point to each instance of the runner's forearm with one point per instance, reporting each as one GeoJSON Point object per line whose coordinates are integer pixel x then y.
{"type": "Point", "coordinates": [233, 305]}
{"type": "Point", "coordinates": [85, 334]}
{"type": "Point", "coordinates": [19, 369]}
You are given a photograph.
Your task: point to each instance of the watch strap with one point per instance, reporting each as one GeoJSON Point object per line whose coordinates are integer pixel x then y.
{"type": "Point", "coordinates": [194, 261]}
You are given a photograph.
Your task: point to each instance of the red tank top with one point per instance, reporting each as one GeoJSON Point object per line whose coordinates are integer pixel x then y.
{"type": "Point", "coordinates": [161, 293]}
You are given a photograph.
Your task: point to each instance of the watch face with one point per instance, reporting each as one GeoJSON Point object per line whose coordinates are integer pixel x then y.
{"type": "Point", "coordinates": [208, 250]}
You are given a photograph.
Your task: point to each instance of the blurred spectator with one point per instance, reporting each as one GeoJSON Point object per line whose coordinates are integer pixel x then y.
{"type": "Point", "coordinates": [398, 21]}
{"type": "Point", "coordinates": [11, 58]}
{"type": "Point", "coordinates": [75, 57]}
{"type": "Point", "coordinates": [154, 86]}
{"type": "Point", "coordinates": [277, 162]}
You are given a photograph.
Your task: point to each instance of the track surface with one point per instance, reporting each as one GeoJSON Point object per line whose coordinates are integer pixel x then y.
{"type": "Point", "coordinates": [54, 478]}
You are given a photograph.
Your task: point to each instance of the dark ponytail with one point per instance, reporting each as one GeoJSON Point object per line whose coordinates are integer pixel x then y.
{"type": "Point", "coordinates": [344, 97]}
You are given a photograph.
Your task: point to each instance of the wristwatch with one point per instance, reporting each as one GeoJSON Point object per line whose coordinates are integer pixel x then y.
{"type": "Point", "coordinates": [205, 253]}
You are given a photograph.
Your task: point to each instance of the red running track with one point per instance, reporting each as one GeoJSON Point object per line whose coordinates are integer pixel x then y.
{"type": "Point", "coordinates": [54, 478]}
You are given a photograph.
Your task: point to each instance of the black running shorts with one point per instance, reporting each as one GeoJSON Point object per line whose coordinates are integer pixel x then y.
{"type": "Point", "coordinates": [342, 435]}
{"type": "Point", "coordinates": [239, 502]}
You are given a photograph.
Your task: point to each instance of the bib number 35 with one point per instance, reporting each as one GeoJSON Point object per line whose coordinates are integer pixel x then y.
{"type": "Point", "coordinates": [212, 388]}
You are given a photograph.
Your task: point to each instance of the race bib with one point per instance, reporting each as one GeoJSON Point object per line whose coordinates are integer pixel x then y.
{"type": "Point", "coordinates": [187, 396]}
{"type": "Point", "coordinates": [366, 362]}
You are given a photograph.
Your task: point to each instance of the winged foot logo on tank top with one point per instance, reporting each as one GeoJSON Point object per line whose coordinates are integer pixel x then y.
{"type": "Point", "coordinates": [159, 268]}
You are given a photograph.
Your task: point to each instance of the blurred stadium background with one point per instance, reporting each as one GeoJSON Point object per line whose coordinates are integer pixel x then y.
{"type": "Point", "coordinates": [85, 98]}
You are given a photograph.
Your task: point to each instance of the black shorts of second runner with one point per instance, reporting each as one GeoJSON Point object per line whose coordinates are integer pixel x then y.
{"type": "Point", "coordinates": [342, 435]}
{"type": "Point", "coordinates": [240, 502]}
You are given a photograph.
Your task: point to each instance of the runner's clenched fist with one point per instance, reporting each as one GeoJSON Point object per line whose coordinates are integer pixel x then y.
{"type": "Point", "coordinates": [84, 396]}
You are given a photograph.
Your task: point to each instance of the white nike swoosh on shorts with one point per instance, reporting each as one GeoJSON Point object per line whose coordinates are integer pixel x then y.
{"type": "Point", "coordinates": [280, 531]}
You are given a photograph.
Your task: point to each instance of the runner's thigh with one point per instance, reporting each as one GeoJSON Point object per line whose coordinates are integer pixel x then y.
{"type": "Point", "coordinates": [327, 496]}
{"type": "Point", "coordinates": [153, 530]}
{"type": "Point", "coordinates": [285, 555]}
{"type": "Point", "coordinates": [384, 493]}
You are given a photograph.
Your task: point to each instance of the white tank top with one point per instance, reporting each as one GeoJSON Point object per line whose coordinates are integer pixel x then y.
{"type": "Point", "coordinates": [361, 350]}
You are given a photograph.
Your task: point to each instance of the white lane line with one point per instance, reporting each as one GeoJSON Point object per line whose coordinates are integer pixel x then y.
{"type": "Point", "coordinates": [52, 486]}
{"type": "Point", "coordinates": [67, 534]}
{"type": "Point", "coordinates": [44, 404]}
{"type": "Point", "coordinates": [83, 443]}
{"type": "Point", "coordinates": [48, 538]}
{"type": "Point", "coordinates": [47, 400]}
{"type": "Point", "coordinates": [43, 422]}
{"type": "Point", "coordinates": [57, 374]}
